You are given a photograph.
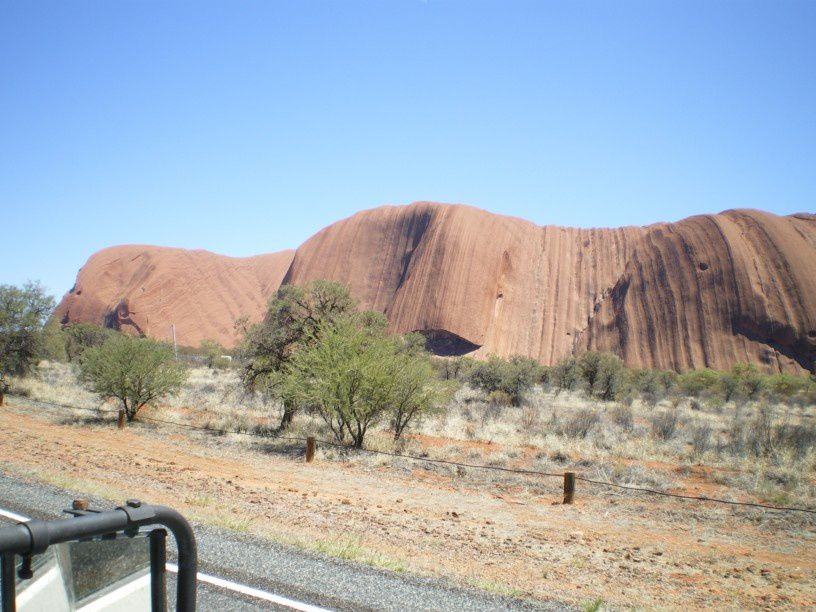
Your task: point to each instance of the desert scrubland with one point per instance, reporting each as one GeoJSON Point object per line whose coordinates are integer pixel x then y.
{"type": "Point", "coordinates": [497, 530]}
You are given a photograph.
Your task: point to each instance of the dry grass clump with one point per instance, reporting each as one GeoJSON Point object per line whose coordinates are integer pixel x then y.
{"type": "Point", "coordinates": [664, 423]}
{"type": "Point", "coordinates": [56, 383]}
{"type": "Point", "coordinates": [700, 439]}
{"type": "Point", "coordinates": [623, 417]}
{"type": "Point", "coordinates": [580, 423]}
{"type": "Point", "coordinates": [634, 476]}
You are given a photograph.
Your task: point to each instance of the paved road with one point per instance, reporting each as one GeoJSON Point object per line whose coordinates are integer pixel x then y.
{"type": "Point", "coordinates": [284, 571]}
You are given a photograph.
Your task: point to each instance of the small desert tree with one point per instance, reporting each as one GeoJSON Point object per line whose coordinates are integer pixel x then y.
{"type": "Point", "coordinates": [509, 378]}
{"type": "Point", "coordinates": [452, 368]}
{"type": "Point", "coordinates": [213, 354]}
{"type": "Point", "coordinates": [294, 319]}
{"type": "Point", "coordinates": [23, 314]}
{"type": "Point", "coordinates": [53, 344]}
{"type": "Point", "coordinates": [695, 383]}
{"type": "Point", "coordinates": [564, 375]}
{"type": "Point", "coordinates": [135, 371]}
{"type": "Point", "coordinates": [589, 366]}
{"type": "Point", "coordinates": [416, 392]}
{"type": "Point", "coordinates": [749, 378]}
{"type": "Point", "coordinates": [610, 379]}
{"type": "Point", "coordinates": [355, 376]}
{"type": "Point", "coordinates": [82, 336]}
{"type": "Point", "coordinates": [785, 386]}
{"type": "Point", "coordinates": [343, 374]}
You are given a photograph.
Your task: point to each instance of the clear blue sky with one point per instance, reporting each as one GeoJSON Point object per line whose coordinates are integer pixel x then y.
{"type": "Point", "coordinates": [244, 127]}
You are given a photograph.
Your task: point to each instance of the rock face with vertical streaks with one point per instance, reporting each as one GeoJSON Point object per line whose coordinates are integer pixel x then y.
{"type": "Point", "coordinates": [712, 290]}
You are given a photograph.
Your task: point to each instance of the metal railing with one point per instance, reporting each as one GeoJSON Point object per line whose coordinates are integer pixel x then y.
{"type": "Point", "coordinates": [35, 536]}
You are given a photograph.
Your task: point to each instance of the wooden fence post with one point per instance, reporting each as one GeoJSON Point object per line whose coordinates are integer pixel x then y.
{"type": "Point", "coordinates": [310, 449]}
{"type": "Point", "coordinates": [121, 421]}
{"type": "Point", "coordinates": [569, 487]}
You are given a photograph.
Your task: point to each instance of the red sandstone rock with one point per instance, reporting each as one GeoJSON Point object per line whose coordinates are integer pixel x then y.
{"type": "Point", "coordinates": [147, 289]}
{"type": "Point", "coordinates": [711, 290]}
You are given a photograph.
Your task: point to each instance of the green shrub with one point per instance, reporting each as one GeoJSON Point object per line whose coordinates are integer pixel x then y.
{"type": "Point", "coordinates": [750, 382]}
{"type": "Point", "coordinates": [695, 383]}
{"type": "Point", "coordinates": [784, 386]}
{"type": "Point", "coordinates": [610, 381]}
{"type": "Point", "coordinates": [294, 320]}
{"type": "Point", "coordinates": [589, 366]}
{"type": "Point", "coordinates": [453, 368]}
{"type": "Point", "coordinates": [214, 355]}
{"type": "Point", "coordinates": [565, 376]}
{"type": "Point", "coordinates": [652, 385]}
{"type": "Point", "coordinates": [23, 314]}
{"type": "Point", "coordinates": [54, 342]}
{"type": "Point", "coordinates": [81, 336]}
{"type": "Point", "coordinates": [513, 377]}
{"type": "Point", "coordinates": [136, 371]}
{"type": "Point", "coordinates": [355, 375]}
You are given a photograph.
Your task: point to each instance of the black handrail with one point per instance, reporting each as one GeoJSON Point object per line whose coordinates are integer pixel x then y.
{"type": "Point", "coordinates": [35, 536]}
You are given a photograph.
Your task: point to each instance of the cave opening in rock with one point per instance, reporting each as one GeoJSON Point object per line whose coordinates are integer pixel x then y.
{"type": "Point", "coordinates": [443, 343]}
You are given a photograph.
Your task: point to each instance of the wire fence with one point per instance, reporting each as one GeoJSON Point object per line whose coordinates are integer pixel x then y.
{"type": "Point", "coordinates": [407, 456]}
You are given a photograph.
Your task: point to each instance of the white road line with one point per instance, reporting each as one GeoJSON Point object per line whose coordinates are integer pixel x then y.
{"type": "Point", "coordinates": [252, 592]}
{"type": "Point", "coordinates": [215, 580]}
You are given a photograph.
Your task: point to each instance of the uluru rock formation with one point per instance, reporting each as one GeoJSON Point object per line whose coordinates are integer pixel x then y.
{"type": "Point", "coordinates": [708, 291]}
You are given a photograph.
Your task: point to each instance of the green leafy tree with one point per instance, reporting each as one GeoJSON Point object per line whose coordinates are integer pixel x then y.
{"type": "Point", "coordinates": [23, 314]}
{"type": "Point", "coordinates": [416, 392]}
{"type": "Point", "coordinates": [135, 371]}
{"type": "Point", "coordinates": [603, 374]}
{"type": "Point", "coordinates": [355, 376]}
{"type": "Point", "coordinates": [522, 374]}
{"type": "Point", "coordinates": [82, 336]}
{"type": "Point", "coordinates": [295, 318]}
{"type": "Point", "coordinates": [729, 387]}
{"type": "Point", "coordinates": [344, 375]}
{"type": "Point", "coordinates": [652, 385]}
{"type": "Point", "coordinates": [488, 375]}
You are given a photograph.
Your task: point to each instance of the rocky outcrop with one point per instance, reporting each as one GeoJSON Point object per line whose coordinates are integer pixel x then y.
{"type": "Point", "coordinates": [711, 290]}
{"type": "Point", "coordinates": [147, 290]}
{"type": "Point", "coordinates": [714, 290]}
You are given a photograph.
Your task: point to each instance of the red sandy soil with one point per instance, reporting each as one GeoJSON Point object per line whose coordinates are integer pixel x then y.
{"type": "Point", "coordinates": [509, 535]}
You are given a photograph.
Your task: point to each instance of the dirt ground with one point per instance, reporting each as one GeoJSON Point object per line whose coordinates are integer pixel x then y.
{"type": "Point", "coordinates": [504, 534]}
